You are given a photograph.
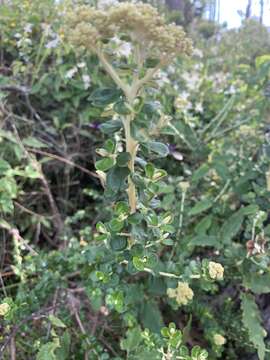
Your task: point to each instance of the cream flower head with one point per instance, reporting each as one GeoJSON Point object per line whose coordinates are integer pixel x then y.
{"type": "Point", "coordinates": [91, 29]}
{"type": "Point", "coordinates": [182, 294]}
{"type": "Point", "coordinates": [219, 340]}
{"type": "Point", "coordinates": [216, 270]}
{"type": "Point", "coordinates": [4, 309]}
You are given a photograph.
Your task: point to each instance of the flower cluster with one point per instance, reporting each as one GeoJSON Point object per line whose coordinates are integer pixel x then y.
{"type": "Point", "coordinates": [182, 294]}
{"type": "Point", "coordinates": [216, 270]}
{"type": "Point", "coordinates": [4, 309]}
{"type": "Point", "coordinates": [219, 340]}
{"type": "Point", "coordinates": [89, 28]}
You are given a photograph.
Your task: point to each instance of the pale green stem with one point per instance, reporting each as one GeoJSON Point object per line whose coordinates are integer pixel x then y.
{"type": "Point", "coordinates": [181, 213]}
{"type": "Point", "coordinates": [131, 92]}
{"type": "Point", "coordinates": [222, 192]}
{"type": "Point", "coordinates": [111, 71]}
{"type": "Point", "coordinates": [131, 148]}
{"type": "Point", "coordinates": [181, 136]}
{"type": "Point", "coordinates": [161, 273]}
{"type": "Point", "coordinates": [131, 144]}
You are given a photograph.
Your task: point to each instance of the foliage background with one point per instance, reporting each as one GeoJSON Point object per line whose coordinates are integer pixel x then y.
{"type": "Point", "coordinates": [69, 296]}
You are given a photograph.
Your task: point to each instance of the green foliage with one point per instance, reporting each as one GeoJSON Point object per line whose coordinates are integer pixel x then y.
{"type": "Point", "coordinates": [83, 273]}
{"type": "Point", "coordinates": [252, 321]}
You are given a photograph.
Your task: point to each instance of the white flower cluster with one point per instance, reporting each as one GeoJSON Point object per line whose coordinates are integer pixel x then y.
{"type": "Point", "coordinates": [85, 77]}
{"type": "Point", "coordinates": [219, 340]}
{"type": "Point", "coordinates": [182, 294]}
{"type": "Point", "coordinates": [89, 28]}
{"type": "Point", "coordinates": [4, 309]}
{"type": "Point", "coordinates": [216, 270]}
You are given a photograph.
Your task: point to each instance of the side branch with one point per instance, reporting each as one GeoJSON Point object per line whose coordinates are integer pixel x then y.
{"type": "Point", "coordinates": [111, 71]}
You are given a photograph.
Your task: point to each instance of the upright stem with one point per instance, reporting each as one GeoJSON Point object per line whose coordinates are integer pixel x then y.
{"type": "Point", "coordinates": [131, 148]}
{"type": "Point", "coordinates": [130, 92]}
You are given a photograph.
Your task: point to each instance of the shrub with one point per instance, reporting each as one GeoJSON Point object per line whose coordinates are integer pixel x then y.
{"type": "Point", "coordinates": [134, 190]}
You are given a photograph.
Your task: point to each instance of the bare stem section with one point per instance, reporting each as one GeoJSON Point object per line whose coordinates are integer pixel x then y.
{"type": "Point", "coordinates": [131, 148]}
{"type": "Point", "coordinates": [131, 144]}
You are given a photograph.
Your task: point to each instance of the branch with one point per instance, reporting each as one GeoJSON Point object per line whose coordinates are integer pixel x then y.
{"type": "Point", "coordinates": [57, 219]}
{"type": "Point", "coordinates": [64, 160]}
{"type": "Point", "coordinates": [111, 71]}
{"type": "Point", "coordinates": [16, 88]}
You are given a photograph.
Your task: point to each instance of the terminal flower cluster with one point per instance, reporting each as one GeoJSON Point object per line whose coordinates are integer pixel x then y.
{"type": "Point", "coordinates": [91, 29]}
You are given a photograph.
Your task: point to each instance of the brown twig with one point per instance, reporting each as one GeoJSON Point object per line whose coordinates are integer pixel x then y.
{"type": "Point", "coordinates": [12, 347]}
{"type": "Point", "coordinates": [28, 211]}
{"type": "Point", "coordinates": [6, 274]}
{"type": "Point", "coordinates": [108, 346]}
{"type": "Point", "coordinates": [64, 160]}
{"type": "Point", "coordinates": [73, 304]}
{"type": "Point", "coordinates": [57, 220]}
{"type": "Point", "coordinates": [21, 89]}
{"type": "Point", "coordinates": [16, 236]}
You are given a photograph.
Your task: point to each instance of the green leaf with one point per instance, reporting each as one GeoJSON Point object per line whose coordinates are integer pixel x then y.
{"type": "Point", "coordinates": [258, 283]}
{"type": "Point", "coordinates": [249, 210]}
{"type": "Point", "coordinates": [116, 225]}
{"type": "Point", "coordinates": [32, 172]}
{"type": "Point", "coordinates": [47, 351]}
{"type": "Point", "coordinates": [200, 207]}
{"type": "Point", "coordinates": [138, 263]}
{"type": "Point", "coordinates": [135, 219]}
{"type": "Point", "coordinates": [231, 227]}
{"type": "Point", "coordinates": [8, 186]}
{"type": "Point", "coordinates": [123, 159]}
{"type": "Point", "coordinates": [206, 240]}
{"type": "Point", "coordinates": [119, 243]}
{"type": "Point", "coordinates": [151, 317]}
{"type": "Point", "coordinates": [149, 170]}
{"type": "Point", "coordinates": [33, 142]}
{"type": "Point", "coordinates": [203, 225]}
{"type": "Point", "coordinates": [132, 340]}
{"type": "Point", "coordinates": [110, 127]}
{"type": "Point", "coordinates": [104, 96]}
{"type": "Point", "coordinates": [116, 178]}
{"type": "Point", "coordinates": [198, 354]}
{"type": "Point", "coordinates": [101, 228]}
{"type": "Point", "coordinates": [221, 169]}
{"type": "Point", "coordinates": [168, 242]}
{"type": "Point", "coordinates": [200, 173]}
{"type": "Point", "coordinates": [151, 260]}
{"type": "Point", "coordinates": [110, 146]}
{"type": "Point", "coordinates": [252, 321]}
{"type": "Point", "coordinates": [96, 297]}
{"type": "Point", "coordinates": [56, 322]}
{"type": "Point", "coordinates": [187, 330]}
{"type": "Point", "coordinates": [151, 62]}
{"type": "Point", "coordinates": [157, 147]}
{"type": "Point", "coordinates": [159, 174]}
{"type": "Point", "coordinates": [122, 208]}
{"type": "Point", "coordinates": [6, 204]}
{"type": "Point", "coordinates": [104, 164]}
{"type": "Point", "coordinates": [116, 301]}
{"type": "Point", "coordinates": [5, 225]}
{"type": "Point", "coordinates": [260, 60]}
{"type": "Point", "coordinates": [4, 166]}
{"type": "Point", "coordinates": [63, 352]}
{"type": "Point", "coordinates": [122, 108]}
